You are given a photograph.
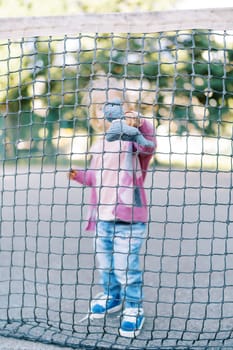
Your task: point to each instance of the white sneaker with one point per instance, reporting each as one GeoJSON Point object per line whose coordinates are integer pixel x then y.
{"type": "Point", "coordinates": [103, 304]}
{"type": "Point", "coordinates": [132, 322]}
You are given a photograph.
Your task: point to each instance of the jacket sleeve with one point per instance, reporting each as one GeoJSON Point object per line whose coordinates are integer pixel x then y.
{"type": "Point", "coordinates": [84, 177]}
{"type": "Point", "coordinates": [148, 131]}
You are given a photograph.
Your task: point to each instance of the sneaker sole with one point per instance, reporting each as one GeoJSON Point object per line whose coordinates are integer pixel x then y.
{"type": "Point", "coordinates": [132, 334]}
{"type": "Point", "coordinates": [110, 311]}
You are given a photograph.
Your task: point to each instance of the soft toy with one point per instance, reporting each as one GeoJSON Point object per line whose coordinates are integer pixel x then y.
{"type": "Point", "coordinates": [120, 130]}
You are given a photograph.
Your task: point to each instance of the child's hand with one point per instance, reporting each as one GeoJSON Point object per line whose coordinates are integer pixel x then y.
{"type": "Point", "coordinates": [127, 130]}
{"type": "Point", "coordinates": [72, 174]}
{"type": "Point", "coordinates": [132, 119]}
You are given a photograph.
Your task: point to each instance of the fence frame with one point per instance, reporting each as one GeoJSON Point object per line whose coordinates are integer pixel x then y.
{"type": "Point", "coordinates": [131, 22]}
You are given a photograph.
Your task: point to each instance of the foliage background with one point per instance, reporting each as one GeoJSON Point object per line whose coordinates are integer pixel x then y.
{"type": "Point", "coordinates": [65, 7]}
{"type": "Point", "coordinates": [184, 80]}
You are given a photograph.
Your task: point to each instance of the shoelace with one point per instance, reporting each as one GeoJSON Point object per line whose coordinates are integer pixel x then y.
{"type": "Point", "coordinates": [130, 314]}
{"type": "Point", "coordinates": [101, 298]}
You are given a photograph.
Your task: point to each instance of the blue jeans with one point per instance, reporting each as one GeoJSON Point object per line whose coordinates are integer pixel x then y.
{"type": "Point", "coordinates": [117, 247]}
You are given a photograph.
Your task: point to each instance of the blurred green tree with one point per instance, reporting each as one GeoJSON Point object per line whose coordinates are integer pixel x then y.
{"type": "Point", "coordinates": [184, 79]}
{"type": "Point", "coordinates": [65, 7]}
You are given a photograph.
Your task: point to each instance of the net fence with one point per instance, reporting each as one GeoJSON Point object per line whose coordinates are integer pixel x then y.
{"type": "Point", "coordinates": [182, 82]}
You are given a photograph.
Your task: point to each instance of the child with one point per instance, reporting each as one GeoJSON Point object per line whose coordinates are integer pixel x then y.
{"type": "Point", "coordinates": [118, 214]}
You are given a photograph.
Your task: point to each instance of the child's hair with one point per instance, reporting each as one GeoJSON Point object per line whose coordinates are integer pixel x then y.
{"type": "Point", "coordinates": [103, 90]}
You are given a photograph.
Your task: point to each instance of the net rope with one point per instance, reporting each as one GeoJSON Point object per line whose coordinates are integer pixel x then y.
{"type": "Point", "coordinates": [182, 82]}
